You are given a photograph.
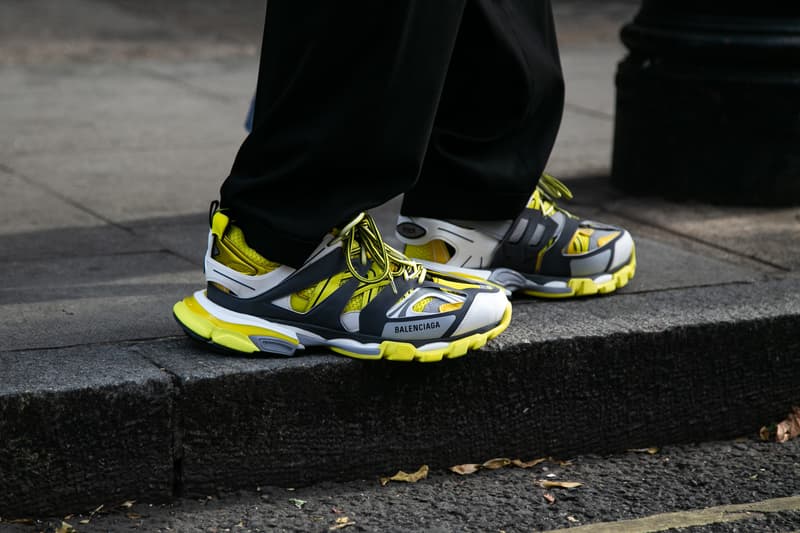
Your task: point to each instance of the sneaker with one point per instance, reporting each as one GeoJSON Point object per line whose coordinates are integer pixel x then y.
{"type": "Point", "coordinates": [355, 295]}
{"type": "Point", "coordinates": [546, 252]}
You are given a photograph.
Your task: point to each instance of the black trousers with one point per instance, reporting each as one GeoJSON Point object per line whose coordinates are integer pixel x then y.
{"type": "Point", "coordinates": [455, 103]}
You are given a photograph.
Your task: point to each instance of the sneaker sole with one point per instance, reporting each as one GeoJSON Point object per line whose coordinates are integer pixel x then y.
{"type": "Point", "coordinates": [577, 287]}
{"type": "Point", "coordinates": [243, 334]}
{"type": "Point", "coordinates": [542, 286]}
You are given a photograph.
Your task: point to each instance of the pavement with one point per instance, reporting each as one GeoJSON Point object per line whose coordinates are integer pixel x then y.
{"type": "Point", "coordinates": [120, 120]}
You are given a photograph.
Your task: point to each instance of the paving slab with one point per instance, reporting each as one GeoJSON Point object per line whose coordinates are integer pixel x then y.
{"type": "Point", "coordinates": [769, 235]}
{"type": "Point", "coordinates": [650, 218]}
{"type": "Point", "coordinates": [186, 236]}
{"type": "Point", "coordinates": [80, 427]}
{"type": "Point", "coordinates": [73, 241]}
{"type": "Point", "coordinates": [91, 299]}
{"type": "Point", "coordinates": [76, 107]}
{"type": "Point", "coordinates": [28, 207]}
{"type": "Point", "coordinates": [582, 147]}
{"type": "Point", "coordinates": [123, 186]}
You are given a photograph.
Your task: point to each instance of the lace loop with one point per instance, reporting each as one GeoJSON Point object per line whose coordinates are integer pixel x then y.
{"type": "Point", "coordinates": [362, 238]}
{"type": "Point", "coordinates": [548, 190]}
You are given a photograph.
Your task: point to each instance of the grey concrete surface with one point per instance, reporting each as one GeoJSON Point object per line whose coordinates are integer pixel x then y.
{"type": "Point", "coordinates": [121, 118]}
{"type": "Point", "coordinates": [82, 424]}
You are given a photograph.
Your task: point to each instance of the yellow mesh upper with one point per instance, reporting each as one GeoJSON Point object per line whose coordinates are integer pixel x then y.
{"type": "Point", "coordinates": [235, 236]}
{"type": "Point", "coordinates": [435, 250]}
{"type": "Point", "coordinates": [419, 307]}
{"type": "Point", "coordinates": [580, 241]}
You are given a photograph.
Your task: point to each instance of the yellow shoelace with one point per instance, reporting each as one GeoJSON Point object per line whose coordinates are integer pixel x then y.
{"type": "Point", "coordinates": [362, 239]}
{"type": "Point", "coordinates": [548, 190]}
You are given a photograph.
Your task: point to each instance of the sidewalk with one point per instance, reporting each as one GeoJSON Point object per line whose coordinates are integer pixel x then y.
{"type": "Point", "coordinates": [110, 152]}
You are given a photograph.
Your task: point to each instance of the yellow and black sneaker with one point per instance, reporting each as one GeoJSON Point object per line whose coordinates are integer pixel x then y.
{"type": "Point", "coordinates": [545, 252]}
{"type": "Point", "coordinates": [355, 295]}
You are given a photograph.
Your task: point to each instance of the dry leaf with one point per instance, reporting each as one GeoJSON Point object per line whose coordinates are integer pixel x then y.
{"type": "Point", "coordinates": [494, 464]}
{"type": "Point", "coordinates": [469, 468]}
{"type": "Point", "coordinates": [134, 516]}
{"type": "Point", "coordinates": [422, 473]}
{"type": "Point", "coordinates": [790, 427]}
{"type": "Point", "coordinates": [127, 504]}
{"type": "Point", "coordinates": [25, 521]}
{"type": "Point", "coordinates": [84, 521]}
{"type": "Point", "coordinates": [652, 450]}
{"type": "Point", "coordinates": [572, 518]}
{"type": "Point", "coordinates": [549, 497]}
{"type": "Point", "coordinates": [297, 503]}
{"type": "Point", "coordinates": [528, 464]}
{"type": "Point", "coordinates": [546, 483]}
{"type": "Point", "coordinates": [341, 523]}
{"type": "Point", "coordinates": [767, 433]}
{"type": "Point", "coordinates": [65, 528]}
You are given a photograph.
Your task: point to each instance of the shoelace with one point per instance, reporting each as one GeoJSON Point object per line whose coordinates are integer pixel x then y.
{"type": "Point", "coordinates": [548, 190]}
{"type": "Point", "coordinates": [361, 237]}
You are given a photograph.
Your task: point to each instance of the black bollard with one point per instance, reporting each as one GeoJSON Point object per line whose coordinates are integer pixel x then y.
{"type": "Point", "coordinates": [708, 102]}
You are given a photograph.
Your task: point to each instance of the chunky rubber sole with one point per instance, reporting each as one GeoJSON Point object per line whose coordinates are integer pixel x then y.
{"type": "Point", "coordinates": [232, 332]}
{"type": "Point", "coordinates": [576, 287]}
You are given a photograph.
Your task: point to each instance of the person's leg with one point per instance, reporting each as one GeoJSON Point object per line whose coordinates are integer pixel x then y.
{"type": "Point", "coordinates": [345, 101]}
{"type": "Point", "coordinates": [346, 96]}
{"type": "Point", "coordinates": [498, 118]}
{"type": "Point", "coordinates": [482, 206]}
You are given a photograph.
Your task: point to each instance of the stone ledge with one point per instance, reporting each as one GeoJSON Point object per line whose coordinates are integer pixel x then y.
{"type": "Point", "coordinates": [589, 376]}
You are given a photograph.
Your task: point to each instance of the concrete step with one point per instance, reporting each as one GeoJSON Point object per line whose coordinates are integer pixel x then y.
{"type": "Point", "coordinates": [151, 420]}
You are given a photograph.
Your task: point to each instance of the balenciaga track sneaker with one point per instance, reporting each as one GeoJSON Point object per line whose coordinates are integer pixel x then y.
{"type": "Point", "coordinates": [546, 252]}
{"type": "Point", "coordinates": [355, 295]}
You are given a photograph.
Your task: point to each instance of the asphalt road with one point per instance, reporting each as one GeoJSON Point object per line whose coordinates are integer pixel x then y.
{"type": "Point", "coordinates": [697, 488]}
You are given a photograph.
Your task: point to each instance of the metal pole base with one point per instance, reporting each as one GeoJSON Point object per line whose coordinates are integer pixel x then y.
{"type": "Point", "coordinates": [708, 104]}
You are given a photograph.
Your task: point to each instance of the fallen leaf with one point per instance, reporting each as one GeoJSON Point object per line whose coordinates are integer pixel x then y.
{"type": "Point", "coordinates": [297, 503]}
{"type": "Point", "coordinates": [494, 464]}
{"type": "Point", "coordinates": [25, 521]}
{"type": "Point", "coordinates": [545, 483]}
{"type": "Point", "coordinates": [127, 504]}
{"type": "Point", "coordinates": [528, 464]}
{"type": "Point", "coordinates": [84, 521]}
{"type": "Point", "coordinates": [341, 523]}
{"type": "Point", "coordinates": [767, 433]}
{"type": "Point", "coordinates": [572, 518]}
{"type": "Point", "coordinates": [65, 528]}
{"type": "Point", "coordinates": [652, 450]}
{"type": "Point", "coordinates": [549, 497]}
{"type": "Point", "coordinates": [469, 468]}
{"type": "Point", "coordinates": [134, 516]}
{"type": "Point", "coordinates": [422, 473]}
{"type": "Point", "coordinates": [790, 427]}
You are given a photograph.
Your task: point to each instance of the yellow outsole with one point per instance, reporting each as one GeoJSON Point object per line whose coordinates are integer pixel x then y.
{"type": "Point", "coordinates": [231, 336]}
{"type": "Point", "coordinates": [202, 325]}
{"type": "Point", "coordinates": [587, 287]}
